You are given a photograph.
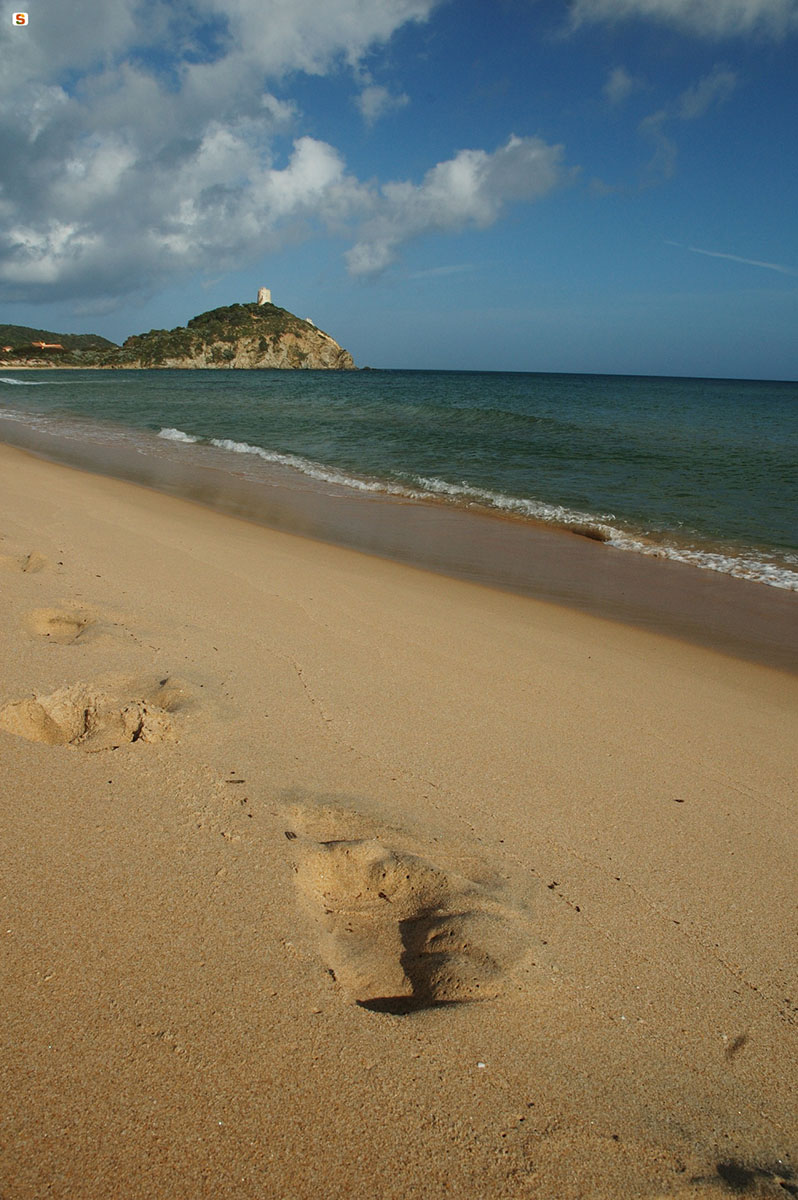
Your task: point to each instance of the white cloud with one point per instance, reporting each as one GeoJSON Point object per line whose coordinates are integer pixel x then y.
{"type": "Point", "coordinates": [124, 168]}
{"type": "Point", "coordinates": [375, 101]}
{"type": "Point", "coordinates": [708, 18]}
{"type": "Point", "coordinates": [93, 172]}
{"type": "Point", "coordinates": [304, 35]}
{"type": "Point", "coordinates": [468, 191]}
{"type": "Point", "coordinates": [663, 162]}
{"type": "Point", "coordinates": [714, 88]}
{"type": "Point", "coordinates": [314, 170]}
{"type": "Point", "coordinates": [278, 36]}
{"type": "Point", "coordinates": [43, 252]}
{"type": "Point", "coordinates": [620, 84]}
{"type": "Point", "coordinates": [140, 140]}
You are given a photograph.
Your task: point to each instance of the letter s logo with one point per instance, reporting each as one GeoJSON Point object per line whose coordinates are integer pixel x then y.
{"type": "Point", "coordinates": [20, 18]}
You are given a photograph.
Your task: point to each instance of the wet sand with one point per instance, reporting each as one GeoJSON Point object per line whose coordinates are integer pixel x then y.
{"type": "Point", "coordinates": [711, 609]}
{"type": "Point", "coordinates": [324, 875]}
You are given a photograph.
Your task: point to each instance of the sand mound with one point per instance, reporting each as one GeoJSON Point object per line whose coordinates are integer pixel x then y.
{"type": "Point", "coordinates": [402, 935]}
{"type": "Point", "coordinates": [84, 716]}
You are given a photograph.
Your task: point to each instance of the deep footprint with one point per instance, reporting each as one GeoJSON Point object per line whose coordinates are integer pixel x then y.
{"type": "Point", "coordinates": [89, 718]}
{"type": "Point", "coordinates": [402, 935]}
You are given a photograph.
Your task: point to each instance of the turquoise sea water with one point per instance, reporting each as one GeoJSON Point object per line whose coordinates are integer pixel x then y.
{"type": "Point", "coordinates": [704, 471]}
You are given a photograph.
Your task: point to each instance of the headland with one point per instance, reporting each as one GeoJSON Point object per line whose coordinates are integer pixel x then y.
{"type": "Point", "coordinates": [236, 337]}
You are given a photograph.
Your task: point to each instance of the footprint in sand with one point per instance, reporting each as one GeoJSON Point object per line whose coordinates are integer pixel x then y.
{"type": "Point", "coordinates": [92, 719]}
{"type": "Point", "coordinates": [402, 935]}
{"type": "Point", "coordinates": [28, 564]}
{"type": "Point", "coordinates": [62, 626]}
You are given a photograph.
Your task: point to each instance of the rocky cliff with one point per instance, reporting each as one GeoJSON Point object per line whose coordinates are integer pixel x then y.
{"type": "Point", "coordinates": [239, 336]}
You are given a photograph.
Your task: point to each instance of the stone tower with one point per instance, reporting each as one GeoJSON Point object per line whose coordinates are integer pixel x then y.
{"type": "Point", "coordinates": [264, 296]}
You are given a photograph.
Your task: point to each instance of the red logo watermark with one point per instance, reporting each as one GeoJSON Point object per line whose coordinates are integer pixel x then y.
{"type": "Point", "coordinates": [19, 18]}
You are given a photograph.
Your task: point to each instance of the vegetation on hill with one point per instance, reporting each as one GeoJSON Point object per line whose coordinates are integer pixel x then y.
{"type": "Point", "coordinates": [244, 335]}
{"type": "Point", "coordinates": [216, 334]}
{"type": "Point", "coordinates": [21, 336]}
{"type": "Point", "coordinates": [238, 335]}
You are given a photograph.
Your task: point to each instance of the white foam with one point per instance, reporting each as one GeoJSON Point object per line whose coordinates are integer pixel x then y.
{"type": "Point", "coordinates": [741, 566]}
{"type": "Point", "coordinates": [601, 527]}
{"type": "Point", "coordinates": [22, 382]}
{"type": "Point", "coordinates": [308, 467]}
{"type": "Point", "coordinates": [537, 509]}
{"type": "Point", "coordinates": [176, 435]}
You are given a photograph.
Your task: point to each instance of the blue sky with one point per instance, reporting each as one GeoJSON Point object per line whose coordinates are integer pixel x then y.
{"type": "Point", "coordinates": [584, 185]}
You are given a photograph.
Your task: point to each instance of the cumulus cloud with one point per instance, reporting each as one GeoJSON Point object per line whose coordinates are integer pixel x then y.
{"type": "Point", "coordinates": [468, 191]}
{"type": "Point", "coordinates": [708, 18]}
{"type": "Point", "coordinates": [144, 141]}
{"type": "Point", "coordinates": [216, 203]}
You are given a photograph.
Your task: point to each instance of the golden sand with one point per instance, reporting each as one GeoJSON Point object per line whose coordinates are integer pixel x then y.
{"type": "Point", "coordinates": [327, 877]}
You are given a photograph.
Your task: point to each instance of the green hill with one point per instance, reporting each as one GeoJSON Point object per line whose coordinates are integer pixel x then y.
{"type": "Point", "coordinates": [20, 336]}
{"type": "Point", "coordinates": [238, 336]}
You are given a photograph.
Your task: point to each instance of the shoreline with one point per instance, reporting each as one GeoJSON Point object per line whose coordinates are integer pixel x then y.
{"type": "Point", "coordinates": [170, 367]}
{"type": "Point", "coordinates": [749, 536]}
{"type": "Point", "coordinates": [712, 609]}
{"type": "Point", "coordinates": [433, 371]}
{"type": "Point", "coordinates": [329, 877]}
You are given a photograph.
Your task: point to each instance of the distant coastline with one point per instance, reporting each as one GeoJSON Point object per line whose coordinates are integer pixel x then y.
{"type": "Point", "coordinates": [137, 366]}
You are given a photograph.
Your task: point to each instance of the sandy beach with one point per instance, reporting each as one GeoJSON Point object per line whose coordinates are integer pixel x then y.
{"type": "Point", "coordinates": [327, 876]}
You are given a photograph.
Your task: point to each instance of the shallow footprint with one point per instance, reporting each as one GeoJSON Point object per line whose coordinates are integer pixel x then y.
{"type": "Point", "coordinates": [400, 934]}
{"type": "Point", "coordinates": [60, 625]}
{"type": "Point", "coordinates": [28, 564]}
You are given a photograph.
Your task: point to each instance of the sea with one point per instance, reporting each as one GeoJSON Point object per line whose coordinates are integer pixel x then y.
{"type": "Point", "coordinates": [700, 471]}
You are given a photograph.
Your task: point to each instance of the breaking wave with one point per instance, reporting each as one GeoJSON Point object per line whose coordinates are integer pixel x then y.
{"type": "Point", "coordinates": [598, 527]}
{"type": "Point", "coordinates": [177, 435]}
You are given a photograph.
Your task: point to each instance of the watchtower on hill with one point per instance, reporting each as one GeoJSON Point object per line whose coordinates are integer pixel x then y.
{"type": "Point", "coordinates": [264, 296]}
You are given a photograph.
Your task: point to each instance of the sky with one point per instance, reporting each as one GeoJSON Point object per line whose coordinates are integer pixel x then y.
{"type": "Point", "coordinates": [534, 185]}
